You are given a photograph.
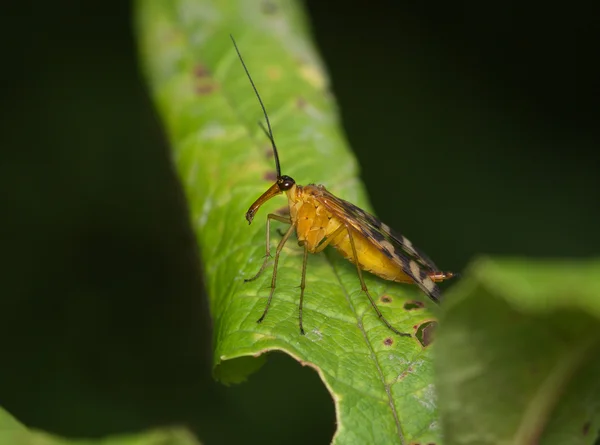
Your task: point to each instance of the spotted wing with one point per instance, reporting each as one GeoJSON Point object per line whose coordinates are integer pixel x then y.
{"type": "Point", "coordinates": [398, 248]}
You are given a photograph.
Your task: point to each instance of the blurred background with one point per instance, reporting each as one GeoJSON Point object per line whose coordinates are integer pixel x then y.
{"type": "Point", "coordinates": [476, 126]}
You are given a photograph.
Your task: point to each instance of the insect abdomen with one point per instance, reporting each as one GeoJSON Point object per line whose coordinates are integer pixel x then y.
{"type": "Point", "coordinates": [370, 257]}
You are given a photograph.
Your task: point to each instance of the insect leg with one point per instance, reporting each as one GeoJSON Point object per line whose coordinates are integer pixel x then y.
{"type": "Point", "coordinates": [364, 288]}
{"type": "Point", "coordinates": [302, 286]}
{"type": "Point", "coordinates": [305, 261]}
{"type": "Point", "coordinates": [329, 239]}
{"type": "Point", "coordinates": [270, 216]}
{"type": "Point", "coordinates": [274, 278]}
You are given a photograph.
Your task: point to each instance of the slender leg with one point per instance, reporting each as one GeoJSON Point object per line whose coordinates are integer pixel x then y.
{"type": "Point", "coordinates": [270, 216]}
{"type": "Point", "coordinates": [321, 246]}
{"type": "Point", "coordinates": [364, 288]}
{"type": "Point", "coordinates": [274, 278]}
{"type": "Point", "coordinates": [330, 238]}
{"type": "Point", "coordinates": [302, 286]}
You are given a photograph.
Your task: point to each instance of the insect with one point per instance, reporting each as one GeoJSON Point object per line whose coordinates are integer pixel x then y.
{"type": "Point", "coordinates": [321, 219]}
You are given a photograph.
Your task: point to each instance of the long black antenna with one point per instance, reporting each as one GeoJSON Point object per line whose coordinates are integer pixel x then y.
{"type": "Point", "coordinates": [270, 132]}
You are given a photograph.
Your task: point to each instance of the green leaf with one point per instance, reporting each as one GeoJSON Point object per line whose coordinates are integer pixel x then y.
{"type": "Point", "coordinates": [381, 384]}
{"type": "Point", "coordinates": [14, 433]}
{"type": "Point", "coordinates": [518, 354]}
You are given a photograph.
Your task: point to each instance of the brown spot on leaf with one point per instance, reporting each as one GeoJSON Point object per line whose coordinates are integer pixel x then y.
{"type": "Point", "coordinates": [205, 88]}
{"type": "Point", "coordinates": [203, 82]}
{"type": "Point", "coordinates": [405, 373]}
{"type": "Point", "coordinates": [414, 304]}
{"type": "Point", "coordinates": [201, 71]}
{"type": "Point", "coordinates": [388, 341]}
{"type": "Point", "coordinates": [586, 428]}
{"type": "Point", "coordinates": [386, 299]}
{"type": "Point", "coordinates": [270, 176]}
{"type": "Point", "coordinates": [301, 103]}
{"type": "Point", "coordinates": [425, 332]}
{"type": "Point", "coordinates": [268, 7]}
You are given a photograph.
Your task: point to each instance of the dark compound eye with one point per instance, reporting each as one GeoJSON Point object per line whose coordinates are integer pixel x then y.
{"type": "Point", "coordinates": [285, 183]}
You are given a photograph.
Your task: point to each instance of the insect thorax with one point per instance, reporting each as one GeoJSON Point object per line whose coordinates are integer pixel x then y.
{"type": "Point", "coordinates": [312, 220]}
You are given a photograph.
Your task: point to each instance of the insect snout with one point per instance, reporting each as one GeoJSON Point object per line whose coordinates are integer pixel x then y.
{"type": "Point", "coordinates": [250, 216]}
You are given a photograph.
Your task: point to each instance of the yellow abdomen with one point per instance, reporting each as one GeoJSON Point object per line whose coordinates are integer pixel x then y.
{"type": "Point", "coordinates": [370, 257]}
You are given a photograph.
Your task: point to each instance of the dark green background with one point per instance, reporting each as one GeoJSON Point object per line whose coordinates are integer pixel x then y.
{"type": "Point", "coordinates": [476, 128]}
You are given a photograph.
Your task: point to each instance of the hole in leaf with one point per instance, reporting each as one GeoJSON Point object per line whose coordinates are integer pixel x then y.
{"type": "Point", "coordinates": [386, 299]}
{"type": "Point", "coordinates": [414, 304]}
{"type": "Point", "coordinates": [425, 332]}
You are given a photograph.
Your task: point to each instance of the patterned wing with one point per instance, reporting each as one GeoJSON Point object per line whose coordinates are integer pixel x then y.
{"type": "Point", "coordinates": [398, 248]}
